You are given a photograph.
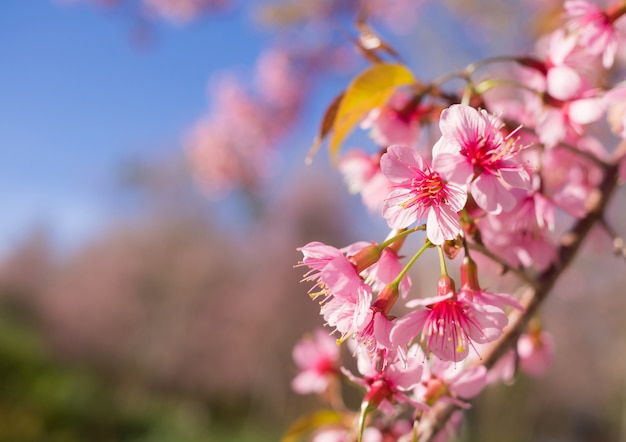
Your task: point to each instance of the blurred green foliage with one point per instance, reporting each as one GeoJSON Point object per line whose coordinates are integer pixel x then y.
{"type": "Point", "coordinates": [42, 399]}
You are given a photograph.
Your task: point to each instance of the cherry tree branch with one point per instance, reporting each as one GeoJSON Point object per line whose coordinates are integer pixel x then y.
{"type": "Point", "coordinates": [435, 419]}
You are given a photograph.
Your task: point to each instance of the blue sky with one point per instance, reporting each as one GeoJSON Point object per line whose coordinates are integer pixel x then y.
{"type": "Point", "coordinates": [78, 98]}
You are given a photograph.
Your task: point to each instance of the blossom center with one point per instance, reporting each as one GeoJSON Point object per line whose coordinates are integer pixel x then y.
{"type": "Point", "coordinates": [428, 190]}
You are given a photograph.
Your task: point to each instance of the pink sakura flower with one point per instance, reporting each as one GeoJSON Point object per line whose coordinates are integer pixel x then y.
{"type": "Point", "coordinates": [533, 355]}
{"type": "Point", "coordinates": [533, 211]}
{"type": "Point", "coordinates": [563, 74]}
{"type": "Point", "coordinates": [593, 29]}
{"type": "Point", "coordinates": [566, 120]}
{"type": "Point", "coordinates": [347, 299]}
{"type": "Point", "coordinates": [386, 381]}
{"type": "Point", "coordinates": [348, 312]}
{"type": "Point", "coordinates": [447, 381]}
{"type": "Point", "coordinates": [572, 177]}
{"type": "Point", "coordinates": [317, 358]}
{"type": "Point", "coordinates": [473, 151]}
{"type": "Point", "coordinates": [338, 434]}
{"type": "Point", "coordinates": [449, 325]}
{"type": "Point", "coordinates": [362, 174]}
{"type": "Point", "coordinates": [331, 269]}
{"type": "Point", "coordinates": [390, 124]}
{"type": "Point", "coordinates": [347, 304]}
{"type": "Point", "coordinates": [531, 248]}
{"type": "Point", "coordinates": [379, 267]}
{"type": "Point", "coordinates": [535, 351]}
{"type": "Point", "coordinates": [419, 192]}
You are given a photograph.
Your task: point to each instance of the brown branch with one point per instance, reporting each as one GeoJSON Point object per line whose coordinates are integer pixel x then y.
{"type": "Point", "coordinates": [435, 419]}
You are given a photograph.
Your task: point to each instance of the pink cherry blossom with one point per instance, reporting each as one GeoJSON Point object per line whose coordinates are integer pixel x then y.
{"type": "Point", "coordinates": [593, 29]}
{"type": "Point", "coordinates": [533, 211]}
{"type": "Point", "coordinates": [450, 382]}
{"type": "Point", "coordinates": [362, 174]}
{"type": "Point", "coordinates": [473, 151]}
{"type": "Point", "coordinates": [535, 351]}
{"type": "Point", "coordinates": [347, 299]}
{"type": "Point", "coordinates": [337, 434]}
{"type": "Point", "coordinates": [419, 192]}
{"type": "Point", "coordinates": [391, 125]}
{"type": "Point", "coordinates": [374, 334]}
{"type": "Point", "coordinates": [448, 325]}
{"type": "Point", "coordinates": [572, 177]}
{"type": "Point", "coordinates": [348, 312]}
{"type": "Point", "coordinates": [330, 268]}
{"type": "Point", "coordinates": [388, 381]}
{"type": "Point", "coordinates": [564, 78]}
{"type": "Point", "coordinates": [566, 120]}
{"type": "Point", "coordinates": [526, 248]}
{"type": "Point", "coordinates": [317, 358]}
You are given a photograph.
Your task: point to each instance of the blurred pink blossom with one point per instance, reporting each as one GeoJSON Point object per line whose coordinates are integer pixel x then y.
{"type": "Point", "coordinates": [535, 351]}
{"type": "Point", "coordinates": [317, 358]}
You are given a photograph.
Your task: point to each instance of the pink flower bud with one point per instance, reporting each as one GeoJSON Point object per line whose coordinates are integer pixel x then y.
{"type": "Point", "coordinates": [366, 257]}
{"type": "Point", "coordinates": [469, 275]}
{"type": "Point", "coordinates": [386, 298]}
{"type": "Point", "coordinates": [445, 286]}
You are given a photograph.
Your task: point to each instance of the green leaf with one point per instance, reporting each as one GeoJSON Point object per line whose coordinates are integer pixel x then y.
{"type": "Point", "coordinates": [311, 422]}
{"type": "Point", "coordinates": [369, 90]}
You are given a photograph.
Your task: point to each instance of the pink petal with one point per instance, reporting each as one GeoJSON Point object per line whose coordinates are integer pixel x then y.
{"type": "Point", "coordinates": [469, 382]}
{"type": "Point", "coordinates": [587, 110]}
{"type": "Point", "coordinates": [309, 382]}
{"type": "Point", "coordinates": [397, 216]}
{"type": "Point", "coordinates": [515, 176]}
{"type": "Point", "coordinates": [491, 195]}
{"type": "Point", "coordinates": [563, 82]}
{"type": "Point", "coordinates": [456, 196]}
{"type": "Point", "coordinates": [407, 327]}
{"type": "Point", "coordinates": [400, 162]}
{"type": "Point", "coordinates": [453, 167]}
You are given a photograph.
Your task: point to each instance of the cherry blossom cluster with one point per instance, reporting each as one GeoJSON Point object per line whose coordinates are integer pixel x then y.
{"type": "Point", "coordinates": [232, 144]}
{"type": "Point", "coordinates": [517, 160]}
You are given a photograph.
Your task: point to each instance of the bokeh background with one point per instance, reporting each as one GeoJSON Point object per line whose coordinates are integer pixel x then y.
{"type": "Point", "coordinates": [154, 190]}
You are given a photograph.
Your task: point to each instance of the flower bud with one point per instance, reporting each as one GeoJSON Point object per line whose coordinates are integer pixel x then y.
{"type": "Point", "coordinates": [445, 285]}
{"type": "Point", "coordinates": [379, 391]}
{"type": "Point", "coordinates": [435, 388]}
{"type": "Point", "coordinates": [469, 275]}
{"type": "Point", "coordinates": [386, 298]}
{"type": "Point", "coordinates": [366, 257]}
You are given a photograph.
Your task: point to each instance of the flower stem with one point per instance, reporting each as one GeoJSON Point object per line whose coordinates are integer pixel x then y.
{"type": "Point", "coordinates": [442, 261]}
{"type": "Point", "coordinates": [400, 235]}
{"type": "Point", "coordinates": [409, 264]}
